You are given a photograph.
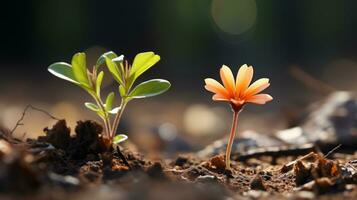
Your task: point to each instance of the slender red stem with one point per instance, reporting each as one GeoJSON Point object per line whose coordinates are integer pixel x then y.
{"type": "Point", "coordinates": [231, 138]}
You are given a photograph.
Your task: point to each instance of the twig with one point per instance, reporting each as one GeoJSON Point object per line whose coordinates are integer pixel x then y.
{"type": "Point", "coordinates": [276, 151]}
{"type": "Point", "coordinates": [300, 159]}
{"type": "Point", "coordinates": [19, 122]}
{"type": "Point", "coordinates": [311, 81]}
{"type": "Point", "coordinates": [122, 157]}
{"type": "Point", "coordinates": [334, 149]}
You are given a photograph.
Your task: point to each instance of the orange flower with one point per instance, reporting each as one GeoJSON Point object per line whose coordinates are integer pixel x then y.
{"type": "Point", "coordinates": [238, 92]}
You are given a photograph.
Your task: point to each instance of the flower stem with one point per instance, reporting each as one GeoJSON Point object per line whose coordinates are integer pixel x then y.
{"type": "Point", "coordinates": [231, 138]}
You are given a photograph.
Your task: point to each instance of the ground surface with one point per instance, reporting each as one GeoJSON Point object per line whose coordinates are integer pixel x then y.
{"type": "Point", "coordinates": [58, 166]}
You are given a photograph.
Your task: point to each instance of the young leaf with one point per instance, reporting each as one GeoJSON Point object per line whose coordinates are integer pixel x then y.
{"type": "Point", "coordinates": [119, 59]}
{"type": "Point", "coordinates": [143, 62]}
{"type": "Point", "coordinates": [98, 83]}
{"type": "Point", "coordinates": [62, 70]}
{"type": "Point", "coordinates": [114, 110]}
{"type": "Point", "coordinates": [119, 138]}
{"type": "Point", "coordinates": [150, 88]}
{"type": "Point", "coordinates": [113, 68]}
{"type": "Point", "coordinates": [101, 59]}
{"type": "Point", "coordinates": [109, 101]}
{"type": "Point", "coordinates": [79, 67]}
{"type": "Point", "coordinates": [92, 106]}
{"type": "Point", "coordinates": [122, 91]}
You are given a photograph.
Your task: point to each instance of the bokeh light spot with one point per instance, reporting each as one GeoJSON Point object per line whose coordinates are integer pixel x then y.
{"type": "Point", "coordinates": [234, 16]}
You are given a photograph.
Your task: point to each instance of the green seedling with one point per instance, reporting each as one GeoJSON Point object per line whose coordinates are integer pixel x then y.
{"type": "Point", "coordinates": [125, 74]}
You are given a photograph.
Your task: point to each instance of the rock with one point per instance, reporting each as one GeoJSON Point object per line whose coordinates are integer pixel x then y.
{"type": "Point", "coordinates": [195, 171]}
{"type": "Point", "coordinates": [181, 160]}
{"type": "Point", "coordinates": [5, 148]}
{"type": "Point", "coordinates": [305, 195]}
{"type": "Point", "coordinates": [63, 181]}
{"type": "Point", "coordinates": [17, 175]}
{"type": "Point", "coordinates": [255, 194]}
{"type": "Point", "coordinates": [217, 162]}
{"type": "Point", "coordinates": [331, 121]}
{"type": "Point", "coordinates": [258, 183]}
{"type": "Point", "coordinates": [302, 173]}
{"type": "Point", "coordinates": [156, 171]}
{"type": "Point", "coordinates": [328, 185]}
{"type": "Point", "coordinates": [348, 172]}
{"type": "Point", "coordinates": [206, 178]}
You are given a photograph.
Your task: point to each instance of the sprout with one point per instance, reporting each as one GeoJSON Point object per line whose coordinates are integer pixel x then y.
{"type": "Point", "coordinates": [126, 75]}
{"type": "Point", "coordinates": [237, 93]}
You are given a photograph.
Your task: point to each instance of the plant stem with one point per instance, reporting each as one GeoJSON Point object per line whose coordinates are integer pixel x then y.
{"type": "Point", "coordinates": [106, 117]}
{"type": "Point", "coordinates": [106, 120]}
{"type": "Point", "coordinates": [118, 117]}
{"type": "Point", "coordinates": [231, 138]}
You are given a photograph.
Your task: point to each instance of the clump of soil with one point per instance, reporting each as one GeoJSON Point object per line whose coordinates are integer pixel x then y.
{"type": "Point", "coordinates": [87, 140]}
{"type": "Point", "coordinates": [59, 135]}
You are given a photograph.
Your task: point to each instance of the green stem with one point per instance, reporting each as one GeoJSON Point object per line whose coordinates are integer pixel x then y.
{"type": "Point", "coordinates": [106, 116]}
{"type": "Point", "coordinates": [118, 117]}
{"type": "Point", "coordinates": [106, 120]}
{"type": "Point", "coordinates": [231, 138]}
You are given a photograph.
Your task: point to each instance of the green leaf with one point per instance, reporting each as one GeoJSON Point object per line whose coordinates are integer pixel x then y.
{"type": "Point", "coordinates": [119, 61]}
{"type": "Point", "coordinates": [109, 101]}
{"type": "Point", "coordinates": [150, 88]}
{"type": "Point", "coordinates": [62, 70]}
{"type": "Point", "coordinates": [122, 91]}
{"type": "Point", "coordinates": [142, 62]}
{"type": "Point", "coordinates": [92, 106]}
{"type": "Point", "coordinates": [101, 59]}
{"type": "Point", "coordinates": [113, 68]}
{"type": "Point", "coordinates": [99, 82]}
{"type": "Point", "coordinates": [79, 67]}
{"type": "Point", "coordinates": [119, 138]}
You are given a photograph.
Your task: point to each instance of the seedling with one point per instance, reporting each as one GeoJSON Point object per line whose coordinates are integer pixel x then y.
{"type": "Point", "coordinates": [237, 93]}
{"type": "Point", "coordinates": [125, 74]}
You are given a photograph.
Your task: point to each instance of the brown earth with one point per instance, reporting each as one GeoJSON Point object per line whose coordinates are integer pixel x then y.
{"type": "Point", "coordinates": [57, 166]}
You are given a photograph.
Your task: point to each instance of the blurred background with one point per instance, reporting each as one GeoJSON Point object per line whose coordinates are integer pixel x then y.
{"type": "Point", "coordinates": [284, 40]}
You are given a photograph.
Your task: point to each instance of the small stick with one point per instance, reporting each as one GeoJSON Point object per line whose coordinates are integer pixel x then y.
{"type": "Point", "coordinates": [311, 81]}
{"type": "Point", "coordinates": [19, 122]}
{"type": "Point", "coordinates": [300, 159]}
{"type": "Point", "coordinates": [277, 151]}
{"type": "Point", "coordinates": [334, 149]}
{"type": "Point", "coordinates": [122, 157]}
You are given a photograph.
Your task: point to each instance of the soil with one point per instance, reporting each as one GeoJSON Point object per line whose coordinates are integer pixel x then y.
{"type": "Point", "coordinates": [58, 166]}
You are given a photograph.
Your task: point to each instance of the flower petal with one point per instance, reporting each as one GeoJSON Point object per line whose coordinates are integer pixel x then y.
{"type": "Point", "coordinates": [259, 98]}
{"type": "Point", "coordinates": [215, 87]}
{"type": "Point", "coordinates": [243, 79]}
{"type": "Point", "coordinates": [257, 87]}
{"type": "Point", "coordinates": [228, 79]}
{"type": "Point", "coordinates": [218, 97]}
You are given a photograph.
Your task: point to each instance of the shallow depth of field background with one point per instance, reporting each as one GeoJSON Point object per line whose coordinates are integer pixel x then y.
{"type": "Point", "coordinates": [193, 38]}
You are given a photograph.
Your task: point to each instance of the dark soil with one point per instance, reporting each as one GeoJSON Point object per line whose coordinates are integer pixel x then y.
{"type": "Point", "coordinates": [58, 166]}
